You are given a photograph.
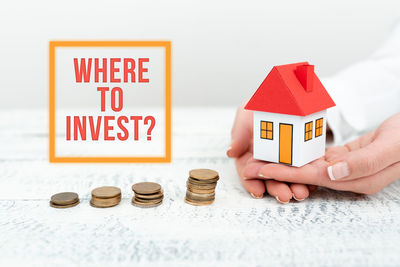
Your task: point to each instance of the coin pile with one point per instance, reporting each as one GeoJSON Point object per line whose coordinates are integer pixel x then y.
{"type": "Point", "coordinates": [64, 200]}
{"type": "Point", "coordinates": [147, 194]}
{"type": "Point", "coordinates": [201, 187]}
{"type": "Point", "coordinates": [105, 196]}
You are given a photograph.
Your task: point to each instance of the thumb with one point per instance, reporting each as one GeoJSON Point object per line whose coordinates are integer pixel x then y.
{"type": "Point", "coordinates": [361, 162]}
{"type": "Point", "coordinates": [242, 132]}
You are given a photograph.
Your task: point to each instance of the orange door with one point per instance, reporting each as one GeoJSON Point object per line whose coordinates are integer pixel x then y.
{"type": "Point", "coordinates": [285, 143]}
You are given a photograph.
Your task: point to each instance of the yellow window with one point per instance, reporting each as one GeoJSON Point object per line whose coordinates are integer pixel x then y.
{"type": "Point", "coordinates": [308, 131]}
{"type": "Point", "coordinates": [266, 130]}
{"type": "Point", "coordinates": [318, 127]}
{"type": "Point", "coordinates": [263, 125]}
{"type": "Point", "coordinates": [263, 134]}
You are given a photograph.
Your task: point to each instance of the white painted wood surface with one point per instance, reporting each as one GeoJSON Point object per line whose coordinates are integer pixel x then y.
{"type": "Point", "coordinates": [329, 229]}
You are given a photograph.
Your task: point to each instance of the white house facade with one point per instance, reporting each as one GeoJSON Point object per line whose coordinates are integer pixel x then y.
{"type": "Point", "coordinates": [289, 139]}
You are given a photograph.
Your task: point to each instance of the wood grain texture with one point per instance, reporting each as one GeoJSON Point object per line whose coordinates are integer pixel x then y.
{"type": "Point", "coordinates": [331, 228]}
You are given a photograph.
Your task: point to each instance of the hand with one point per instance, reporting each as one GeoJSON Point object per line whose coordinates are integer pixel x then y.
{"type": "Point", "coordinates": [242, 150]}
{"type": "Point", "coordinates": [365, 165]}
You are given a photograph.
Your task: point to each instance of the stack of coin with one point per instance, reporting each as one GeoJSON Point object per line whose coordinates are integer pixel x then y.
{"type": "Point", "coordinates": [147, 194]}
{"type": "Point", "coordinates": [64, 200]}
{"type": "Point", "coordinates": [201, 187]}
{"type": "Point", "coordinates": [106, 196]}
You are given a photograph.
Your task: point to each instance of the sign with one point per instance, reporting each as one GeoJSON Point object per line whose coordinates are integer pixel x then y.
{"type": "Point", "coordinates": [110, 101]}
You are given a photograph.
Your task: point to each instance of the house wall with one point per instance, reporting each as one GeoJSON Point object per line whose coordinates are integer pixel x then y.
{"type": "Point", "coordinates": [314, 148]}
{"type": "Point", "coordinates": [303, 152]}
{"type": "Point", "coordinates": [268, 150]}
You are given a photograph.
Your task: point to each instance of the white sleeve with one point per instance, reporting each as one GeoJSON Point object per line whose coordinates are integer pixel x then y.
{"type": "Point", "coordinates": [366, 93]}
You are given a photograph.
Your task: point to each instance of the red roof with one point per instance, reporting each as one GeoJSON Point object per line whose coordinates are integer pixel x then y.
{"type": "Point", "coordinates": [282, 91]}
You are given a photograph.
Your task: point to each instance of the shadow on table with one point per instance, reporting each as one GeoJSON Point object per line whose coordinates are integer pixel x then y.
{"type": "Point", "coordinates": [333, 195]}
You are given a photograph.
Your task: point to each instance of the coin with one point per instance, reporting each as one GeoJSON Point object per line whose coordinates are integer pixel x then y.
{"type": "Point", "coordinates": [200, 197]}
{"type": "Point", "coordinates": [201, 191]}
{"type": "Point", "coordinates": [203, 174]}
{"type": "Point", "coordinates": [52, 204]}
{"type": "Point", "coordinates": [64, 198]}
{"type": "Point", "coordinates": [105, 202]}
{"type": "Point", "coordinates": [198, 203]}
{"type": "Point", "coordinates": [145, 204]}
{"type": "Point", "coordinates": [106, 192]}
{"type": "Point", "coordinates": [197, 181]}
{"type": "Point", "coordinates": [146, 188]}
{"type": "Point", "coordinates": [148, 200]}
{"type": "Point", "coordinates": [151, 196]}
{"type": "Point", "coordinates": [201, 186]}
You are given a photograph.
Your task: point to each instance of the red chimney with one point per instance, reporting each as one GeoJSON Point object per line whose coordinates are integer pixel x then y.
{"type": "Point", "coordinates": [305, 74]}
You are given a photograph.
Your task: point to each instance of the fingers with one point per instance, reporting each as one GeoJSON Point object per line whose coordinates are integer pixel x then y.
{"type": "Point", "coordinates": [300, 191]}
{"type": "Point", "coordinates": [313, 173]}
{"type": "Point", "coordinates": [335, 152]}
{"type": "Point", "coordinates": [242, 133]}
{"type": "Point", "coordinates": [364, 159]}
{"type": "Point", "coordinates": [370, 184]}
{"type": "Point", "coordinates": [241, 162]}
{"type": "Point", "coordinates": [255, 187]}
{"type": "Point", "coordinates": [279, 190]}
{"type": "Point", "coordinates": [250, 171]}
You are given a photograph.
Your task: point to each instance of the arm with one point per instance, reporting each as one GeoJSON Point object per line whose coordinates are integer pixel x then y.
{"type": "Point", "coordinates": [366, 93]}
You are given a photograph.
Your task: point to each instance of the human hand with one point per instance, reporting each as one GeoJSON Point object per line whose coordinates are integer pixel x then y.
{"type": "Point", "coordinates": [242, 150]}
{"type": "Point", "coordinates": [365, 165]}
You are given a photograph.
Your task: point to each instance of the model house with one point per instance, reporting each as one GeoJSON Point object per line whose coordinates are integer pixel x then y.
{"type": "Point", "coordinates": [290, 115]}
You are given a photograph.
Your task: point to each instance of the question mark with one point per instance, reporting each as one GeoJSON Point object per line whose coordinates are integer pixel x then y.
{"type": "Point", "coordinates": [153, 123]}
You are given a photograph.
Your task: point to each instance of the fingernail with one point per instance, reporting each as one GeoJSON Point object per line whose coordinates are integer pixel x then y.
{"type": "Point", "coordinates": [300, 199]}
{"type": "Point", "coordinates": [277, 198]}
{"type": "Point", "coordinates": [228, 152]}
{"type": "Point", "coordinates": [256, 196]}
{"type": "Point", "coordinates": [338, 171]}
{"type": "Point", "coordinates": [262, 175]}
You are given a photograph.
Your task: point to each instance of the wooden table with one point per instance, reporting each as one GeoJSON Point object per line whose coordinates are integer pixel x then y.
{"type": "Point", "coordinates": [330, 228]}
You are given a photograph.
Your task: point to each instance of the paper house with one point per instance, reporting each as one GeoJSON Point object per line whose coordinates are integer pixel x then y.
{"type": "Point", "coordinates": [290, 115]}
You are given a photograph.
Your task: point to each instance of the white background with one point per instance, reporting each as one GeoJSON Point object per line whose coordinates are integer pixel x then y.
{"type": "Point", "coordinates": [222, 50]}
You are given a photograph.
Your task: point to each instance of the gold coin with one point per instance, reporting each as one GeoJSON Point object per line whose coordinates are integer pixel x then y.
{"type": "Point", "coordinates": [146, 188]}
{"type": "Point", "coordinates": [193, 198]}
{"type": "Point", "coordinates": [201, 191]}
{"type": "Point", "coordinates": [201, 186]}
{"type": "Point", "coordinates": [151, 196]}
{"type": "Point", "coordinates": [198, 203]}
{"type": "Point", "coordinates": [155, 200]}
{"type": "Point", "coordinates": [64, 198]}
{"type": "Point", "coordinates": [106, 192]}
{"type": "Point", "coordinates": [52, 204]}
{"type": "Point", "coordinates": [199, 197]}
{"type": "Point", "coordinates": [197, 181]}
{"type": "Point", "coordinates": [203, 174]}
{"type": "Point", "coordinates": [144, 204]}
{"type": "Point", "coordinates": [105, 202]}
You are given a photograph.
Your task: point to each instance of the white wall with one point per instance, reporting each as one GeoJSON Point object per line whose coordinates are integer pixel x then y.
{"type": "Point", "coordinates": [222, 50]}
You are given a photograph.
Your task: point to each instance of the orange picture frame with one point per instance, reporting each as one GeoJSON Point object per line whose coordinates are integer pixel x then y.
{"type": "Point", "coordinates": [52, 108]}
